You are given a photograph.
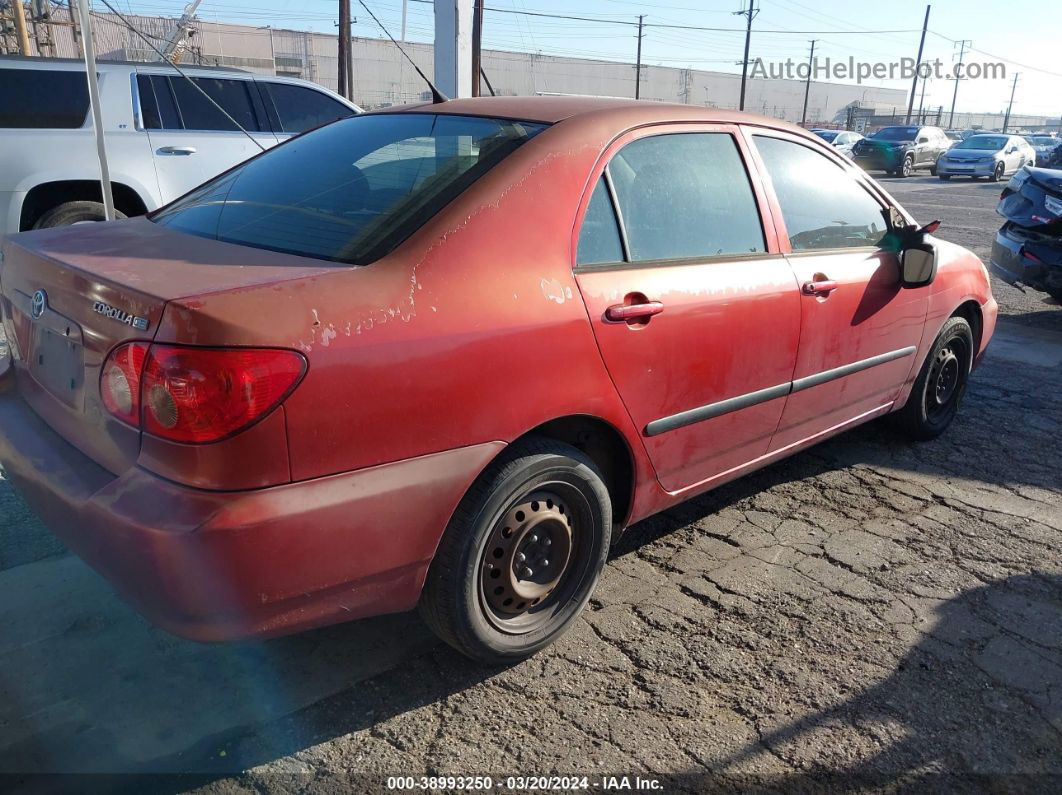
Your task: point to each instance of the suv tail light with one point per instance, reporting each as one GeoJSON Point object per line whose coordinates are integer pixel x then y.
{"type": "Point", "coordinates": [196, 395]}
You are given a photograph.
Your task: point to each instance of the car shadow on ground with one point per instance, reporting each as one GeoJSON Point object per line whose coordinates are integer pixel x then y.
{"type": "Point", "coordinates": [976, 706]}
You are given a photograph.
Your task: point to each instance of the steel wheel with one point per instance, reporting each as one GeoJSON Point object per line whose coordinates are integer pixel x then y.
{"type": "Point", "coordinates": [937, 392]}
{"type": "Point", "coordinates": [522, 553]}
{"type": "Point", "coordinates": [527, 557]}
{"type": "Point", "coordinates": [945, 375]}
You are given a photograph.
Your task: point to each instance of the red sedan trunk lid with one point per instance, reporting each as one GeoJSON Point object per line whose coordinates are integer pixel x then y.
{"type": "Point", "coordinates": [69, 295]}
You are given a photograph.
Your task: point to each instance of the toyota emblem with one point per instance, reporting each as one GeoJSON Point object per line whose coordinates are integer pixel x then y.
{"type": "Point", "coordinates": [39, 304]}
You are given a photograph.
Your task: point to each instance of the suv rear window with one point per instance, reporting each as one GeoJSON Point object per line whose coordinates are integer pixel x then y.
{"type": "Point", "coordinates": [351, 191]}
{"type": "Point", "coordinates": [43, 99]}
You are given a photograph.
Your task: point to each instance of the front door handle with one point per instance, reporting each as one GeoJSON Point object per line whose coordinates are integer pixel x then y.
{"type": "Point", "coordinates": [176, 150]}
{"type": "Point", "coordinates": [627, 312]}
{"type": "Point", "coordinates": [819, 287]}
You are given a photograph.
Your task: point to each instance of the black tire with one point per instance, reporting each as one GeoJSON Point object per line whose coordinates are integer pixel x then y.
{"type": "Point", "coordinates": [1056, 294]}
{"type": "Point", "coordinates": [941, 383]}
{"type": "Point", "coordinates": [997, 172]}
{"type": "Point", "coordinates": [907, 168]}
{"type": "Point", "coordinates": [932, 171]}
{"type": "Point", "coordinates": [943, 177]}
{"type": "Point", "coordinates": [73, 213]}
{"type": "Point", "coordinates": [554, 484]}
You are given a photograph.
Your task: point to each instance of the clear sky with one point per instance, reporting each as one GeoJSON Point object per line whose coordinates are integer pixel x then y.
{"type": "Point", "coordinates": [1024, 36]}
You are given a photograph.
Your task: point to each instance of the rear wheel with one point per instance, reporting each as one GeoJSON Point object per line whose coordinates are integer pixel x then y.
{"type": "Point", "coordinates": [944, 177]}
{"type": "Point", "coordinates": [520, 558]}
{"type": "Point", "coordinates": [941, 383]}
{"type": "Point", "coordinates": [932, 171]}
{"type": "Point", "coordinates": [78, 212]}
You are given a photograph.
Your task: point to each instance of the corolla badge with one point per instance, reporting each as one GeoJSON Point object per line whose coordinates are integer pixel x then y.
{"type": "Point", "coordinates": [38, 304]}
{"type": "Point", "coordinates": [120, 315]}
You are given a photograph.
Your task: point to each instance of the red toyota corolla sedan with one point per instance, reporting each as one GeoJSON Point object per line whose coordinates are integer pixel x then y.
{"type": "Point", "coordinates": [442, 355]}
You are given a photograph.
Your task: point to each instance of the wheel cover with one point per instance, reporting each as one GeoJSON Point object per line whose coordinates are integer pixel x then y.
{"type": "Point", "coordinates": [528, 554]}
{"type": "Point", "coordinates": [945, 379]}
{"type": "Point", "coordinates": [908, 166]}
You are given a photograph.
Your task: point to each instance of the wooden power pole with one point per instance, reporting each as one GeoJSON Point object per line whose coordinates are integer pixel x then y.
{"type": "Point", "coordinates": [20, 27]}
{"type": "Point", "coordinates": [477, 48]}
{"type": "Point", "coordinates": [344, 48]}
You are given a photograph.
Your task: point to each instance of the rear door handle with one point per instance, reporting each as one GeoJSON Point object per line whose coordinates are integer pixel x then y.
{"type": "Point", "coordinates": [621, 312]}
{"type": "Point", "coordinates": [176, 150]}
{"type": "Point", "coordinates": [821, 287]}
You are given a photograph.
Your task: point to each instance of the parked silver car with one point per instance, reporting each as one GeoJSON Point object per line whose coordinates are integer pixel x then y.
{"type": "Point", "coordinates": [841, 140]}
{"type": "Point", "coordinates": [163, 136]}
{"type": "Point", "coordinates": [992, 156]}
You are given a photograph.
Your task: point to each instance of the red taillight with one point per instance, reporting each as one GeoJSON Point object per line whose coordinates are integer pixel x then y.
{"type": "Point", "coordinates": [199, 395]}
{"type": "Point", "coordinates": [120, 381]}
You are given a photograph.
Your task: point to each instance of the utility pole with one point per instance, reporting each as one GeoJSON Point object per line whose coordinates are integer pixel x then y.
{"type": "Point", "coordinates": [344, 48]}
{"type": "Point", "coordinates": [20, 27]}
{"type": "Point", "coordinates": [405, 11]}
{"type": "Point", "coordinates": [88, 47]}
{"type": "Point", "coordinates": [750, 12]}
{"type": "Point", "coordinates": [918, 64]}
{"type": "Point", "coordinates": [1013, 88]}
{"type": "Point", "coordinates": [922, 103]}
{"type": "Point", "coordinates": [638, 64]}
{"type": "Point", "coordinates": [807, 84]}
{"type": "Point", "coordinates": [477, 47]}
{"type": "Point", "coordinates": [175, 46]}
{"type": "Point", "coordinates": [958, 71]}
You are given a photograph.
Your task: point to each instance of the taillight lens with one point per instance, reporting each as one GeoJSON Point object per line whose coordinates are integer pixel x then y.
{"type": "Point", "coordinates": [120, 381]}
{"type": "Point", "coordinates": [198, 395]}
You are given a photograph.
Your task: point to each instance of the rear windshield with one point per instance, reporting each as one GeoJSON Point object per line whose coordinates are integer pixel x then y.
{"type": "Point", "coordinates": [42, 99]}
{"type": "Point", "coordinates": [826, 135]}
{"type": "Point", "coordinates": [990, 143]}
{"type": "Point", "coordinates": [896, 134]}
{"type": "Point", "coordinates": [351, 191]}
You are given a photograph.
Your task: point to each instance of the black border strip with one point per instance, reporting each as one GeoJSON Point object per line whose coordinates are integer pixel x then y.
{"type": "Point", "coordinates": [847, 369]}
{"type": "Point", "coordinates": [701, 413]}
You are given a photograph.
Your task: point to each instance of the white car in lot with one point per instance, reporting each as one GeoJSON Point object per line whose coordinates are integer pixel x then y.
{"type": "Point", "coordinates": [163, 136]}
{"type": "Point", "coordinates": [991, 155]}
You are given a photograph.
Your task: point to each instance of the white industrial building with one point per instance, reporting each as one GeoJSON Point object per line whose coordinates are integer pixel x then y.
{"type": "Point", "coordinates": [382, 77]}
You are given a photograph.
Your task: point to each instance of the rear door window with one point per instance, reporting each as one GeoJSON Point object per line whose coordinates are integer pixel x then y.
{"type": "Point", "coordinates": [599, 238]}
{"type": "Point", "coordinates": [686, 195]}
{"type": "Point", "coordinates": [43, 99]}
{"type": "Point", "coordinates": [198, 113]}
{"type": "Point", "coordinates": [823, 206]}
{"type": "Point", "coordinates": [295, 109]}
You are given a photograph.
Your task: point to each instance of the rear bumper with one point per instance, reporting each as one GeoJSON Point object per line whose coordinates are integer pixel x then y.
{"type": "Point", "coordinates": [222, 566]}
{"type": "Point", "coordinates": [1010, 263]}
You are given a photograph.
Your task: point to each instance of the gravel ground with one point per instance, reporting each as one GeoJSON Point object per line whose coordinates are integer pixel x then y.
{"type": "Point", "coordinates": [868, 614]}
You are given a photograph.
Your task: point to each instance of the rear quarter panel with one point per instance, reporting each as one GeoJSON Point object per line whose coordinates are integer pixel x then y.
{"type": "Point", "coordinates": [471, 331]}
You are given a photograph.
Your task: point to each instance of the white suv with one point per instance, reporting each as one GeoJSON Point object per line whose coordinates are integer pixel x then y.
{"type": "Point", "coordinates": [163, 136]}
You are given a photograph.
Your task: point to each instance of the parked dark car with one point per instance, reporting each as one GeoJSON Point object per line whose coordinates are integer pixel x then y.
{"type": "Point", "coordinates": [1028, 247]}
{"type": "Point", "coordinates": [900, 151]}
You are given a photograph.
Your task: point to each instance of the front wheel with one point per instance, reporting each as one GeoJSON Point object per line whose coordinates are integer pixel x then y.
{"type": "Point", "coordinates": [521, 555]}
{"type": "Point", "coordinates": [941, 383]}
{"type": "Point", "coordinates": [997, 172]}
{"type": "Point", "coordinates": [944, 177]}
{"type": "Point", "coordinates": [932, 171]}
{"type": "Point", "coordinates": [907, 169]}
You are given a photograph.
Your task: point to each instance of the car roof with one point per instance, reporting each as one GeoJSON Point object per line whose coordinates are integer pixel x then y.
{"type": "Point", "coordinates": [553, 109]}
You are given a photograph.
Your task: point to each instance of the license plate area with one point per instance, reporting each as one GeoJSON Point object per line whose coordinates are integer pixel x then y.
{"type": "Point", "coordinates": [57, 362]}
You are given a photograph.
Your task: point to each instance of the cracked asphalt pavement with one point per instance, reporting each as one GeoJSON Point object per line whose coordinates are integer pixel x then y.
{"type": "Point", "coordinates": [869, 614]}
